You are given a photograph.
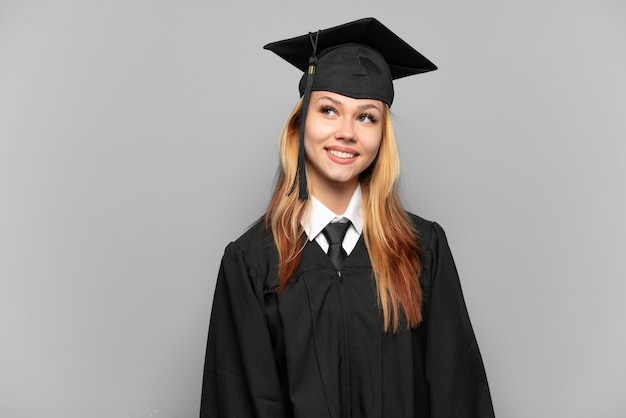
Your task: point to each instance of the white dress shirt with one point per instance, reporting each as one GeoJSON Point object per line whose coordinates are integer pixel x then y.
{"type": "Point", "coordinates": [317, 216]}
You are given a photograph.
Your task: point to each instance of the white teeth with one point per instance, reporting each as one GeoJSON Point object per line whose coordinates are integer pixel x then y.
{"type": "Point", "coordinates": [340, 154]}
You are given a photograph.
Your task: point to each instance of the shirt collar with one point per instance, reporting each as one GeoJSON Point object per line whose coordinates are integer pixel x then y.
{"type": "Point", "coordinates": [317, 215]}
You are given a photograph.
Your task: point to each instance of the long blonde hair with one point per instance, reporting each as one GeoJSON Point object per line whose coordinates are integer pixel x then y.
{"type": "Point", "coordinates": [389, 235]}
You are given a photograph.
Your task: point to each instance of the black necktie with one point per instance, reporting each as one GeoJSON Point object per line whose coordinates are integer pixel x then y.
{"type": "Point", "coordinates": [334, 233]}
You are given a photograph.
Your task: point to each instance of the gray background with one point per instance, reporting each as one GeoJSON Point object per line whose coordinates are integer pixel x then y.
{"type": "Point", "coordinates": [137, 138]}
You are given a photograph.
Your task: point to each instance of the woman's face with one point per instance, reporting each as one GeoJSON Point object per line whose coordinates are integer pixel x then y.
{"type": "Point", "coordinates": [342, 137]}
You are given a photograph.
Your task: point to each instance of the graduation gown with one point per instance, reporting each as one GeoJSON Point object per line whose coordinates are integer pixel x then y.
{"type": "Point", "coordinates": [319, 349]}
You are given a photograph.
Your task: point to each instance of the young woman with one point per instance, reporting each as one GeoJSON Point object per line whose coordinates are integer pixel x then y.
{"type": "Point", "coordinates": [339, 303]}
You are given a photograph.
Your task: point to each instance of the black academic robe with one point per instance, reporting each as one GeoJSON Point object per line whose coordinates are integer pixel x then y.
{"type": "Point", "coordinates": [319, 349]}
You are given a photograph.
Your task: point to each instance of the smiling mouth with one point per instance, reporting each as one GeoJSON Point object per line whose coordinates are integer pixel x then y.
{"type": "Point", "coordinates": [340, 154]}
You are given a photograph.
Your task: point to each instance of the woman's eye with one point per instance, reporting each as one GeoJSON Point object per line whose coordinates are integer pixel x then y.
{"type": "Point", "coordinates": [327, 110]}
{"type": "Point", "coordinates": [366, 117]}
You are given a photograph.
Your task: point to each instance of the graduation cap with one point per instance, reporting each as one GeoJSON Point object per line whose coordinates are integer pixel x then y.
{"type": "Point", "coordinates": [357, 59]}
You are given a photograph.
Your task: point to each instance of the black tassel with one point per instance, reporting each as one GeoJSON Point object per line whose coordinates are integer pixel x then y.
{"type": "Point", "coordinates": [303, 191]}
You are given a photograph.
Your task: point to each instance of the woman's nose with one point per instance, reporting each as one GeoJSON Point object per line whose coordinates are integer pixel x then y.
{"type": "Point", "coordinates": [346, 131]}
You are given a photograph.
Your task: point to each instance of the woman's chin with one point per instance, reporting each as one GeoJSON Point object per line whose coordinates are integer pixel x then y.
{"type": "Point", "coordinates": [343, 181]}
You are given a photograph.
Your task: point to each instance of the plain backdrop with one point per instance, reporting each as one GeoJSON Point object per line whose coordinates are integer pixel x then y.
{"type": "Point", "coordinates": [137, 138]}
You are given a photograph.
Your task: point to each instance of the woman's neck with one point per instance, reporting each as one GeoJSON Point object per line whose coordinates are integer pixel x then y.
{"type": "Point", "coordinates": [335, 197]}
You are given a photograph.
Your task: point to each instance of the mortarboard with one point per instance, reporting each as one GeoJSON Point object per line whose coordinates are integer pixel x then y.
{"type": "Point", "coordinates": [357, 59]}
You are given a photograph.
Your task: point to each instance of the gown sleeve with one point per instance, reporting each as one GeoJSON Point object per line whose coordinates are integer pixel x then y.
{"type": "Point", "coordinates": [240, 376]}
{"type": "Point", "coordinates": [454, 367]}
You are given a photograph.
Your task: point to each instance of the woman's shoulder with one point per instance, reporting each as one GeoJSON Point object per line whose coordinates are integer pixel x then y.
{"type": "Point", "coordinates": [255, 238]}
{"type": "Point", "coordinates": [427, 231]}
{"type": "Point", "coordinates": [418, 222]}
{"type": "Point", "coordinates": [255, 247]}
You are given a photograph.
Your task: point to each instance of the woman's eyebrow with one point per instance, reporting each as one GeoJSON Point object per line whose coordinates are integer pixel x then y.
{"type": "Point", "coordinates": [333, 101]}
{"type": "Point", "coordinates": [370, 106]}
{"type": "Point", "coordinates": [339, 103]}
